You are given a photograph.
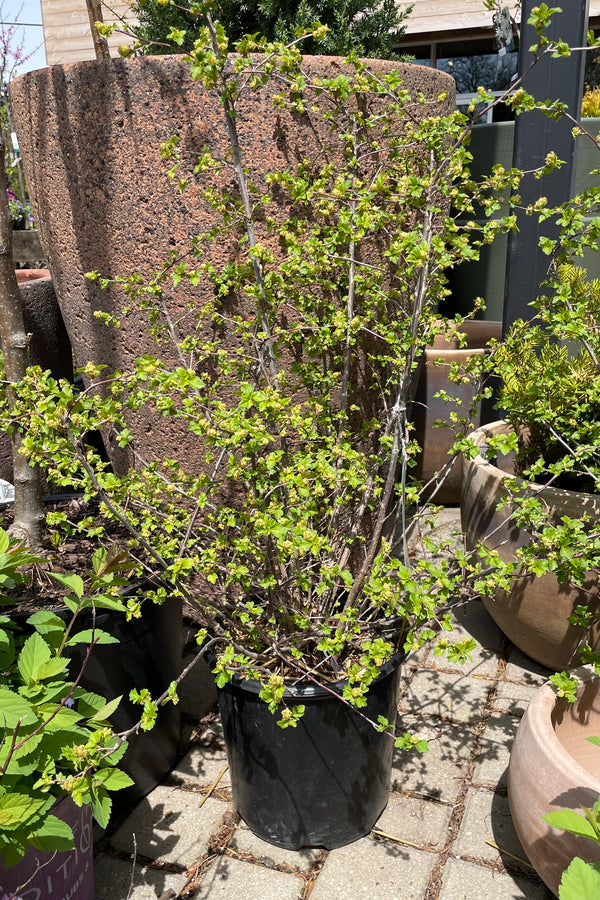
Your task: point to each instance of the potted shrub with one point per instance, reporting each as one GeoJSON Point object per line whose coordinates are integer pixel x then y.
{"type": "Point", "coordinates": [280, 510]}
{"type": "Point", "coordinates": [282, 374]}
{"type": "Point", "coordinates": [534, 512]}
{"type": "Point", "coordinates": [58, 752]}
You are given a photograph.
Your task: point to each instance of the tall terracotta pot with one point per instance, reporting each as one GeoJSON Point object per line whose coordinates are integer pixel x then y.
{"type": "Point", "coordinates": [534, 614]}
{"type": "Point", "coordinates": [553, 767]}
{"type": "Point", "coordinates": [90, 135]}
{"type": "Point", "coordinates": [428, 408]}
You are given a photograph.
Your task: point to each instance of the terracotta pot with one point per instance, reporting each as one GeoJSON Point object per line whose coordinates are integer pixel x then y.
{"type": "Point", "coordinates": [553, 767]}
{"type": "Point", "coordinates": [90, 135]}
{"type": "Point", "coordinates": [534, 613]}
{"type": "Point", "coordinates": [428, 409]}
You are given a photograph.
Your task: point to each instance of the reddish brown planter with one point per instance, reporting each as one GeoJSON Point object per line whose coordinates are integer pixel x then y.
{"type": "Point", "coordinates": [90, 135]}
{"type": "Point", "coordinates": [534, 613]}
{"type": "Point", "coordinates": [428, 409]}
{"type": "Point", "coordinates": [553, 767]}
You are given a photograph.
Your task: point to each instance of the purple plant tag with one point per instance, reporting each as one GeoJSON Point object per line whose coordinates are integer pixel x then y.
{"type": "Point", "coordinates": [68, 875]}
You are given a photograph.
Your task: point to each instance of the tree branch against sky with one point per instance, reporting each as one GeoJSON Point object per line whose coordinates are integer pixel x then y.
{"type": "Point", "coordinates": [21, 37]}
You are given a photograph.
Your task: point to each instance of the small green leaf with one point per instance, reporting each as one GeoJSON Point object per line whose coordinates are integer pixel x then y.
{"type": "Point", "coordinates": [113, 779]}
{"type": "Point", "coordinates": [53, 834]}
{"type": "Point", "coordinates": [567, 820]}
{"type": "Point", "coordinates": [45, 622]}
{"type": "Point", "coordinates": [581, 881]}
{"type": "Point", "coordinates": [91, 634]}
{"type": "Point", "coordinates": [106, 711]}
{"type": "Point", "coordinates": [13, 708]}
{"type": "Point", "coordinates": [51, 668]}
{"type": "Point", "coordinates": [34, 653]}
{"type": "Point", "coordinates": [594, 739]}
{"type": "Point", "coordinates": [71, 581]}
{"type": "Point", "coordinates": [101, 806]}
{"type": "Point", "coordinates": [17, 810]}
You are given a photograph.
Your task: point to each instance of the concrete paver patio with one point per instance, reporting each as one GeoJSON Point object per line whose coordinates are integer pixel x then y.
{"type": "Point", "coordinates": [446, 833]}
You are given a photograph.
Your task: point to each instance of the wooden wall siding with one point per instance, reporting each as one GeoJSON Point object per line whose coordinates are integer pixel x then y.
{"type": "Point", "coordinates": [67, 29]}
{"type": "Point", "coordinates": [436, 17]}
{"type": "Point", "coordinates": [68, 38]}
{"type": "Point", "coordinates": [431, 17]}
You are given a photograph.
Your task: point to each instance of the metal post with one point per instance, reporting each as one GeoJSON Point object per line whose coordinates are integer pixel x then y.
{"type": "Point", "coordinates": [535, 137]}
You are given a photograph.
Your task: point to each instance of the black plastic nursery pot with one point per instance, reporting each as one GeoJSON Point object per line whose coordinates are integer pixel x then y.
{"type": "Point", "coordinates": [45, 874]}
{"type": "Point", "coordinates": [148, 655]}
{"type": "Point", "coordinates": [323, 783]}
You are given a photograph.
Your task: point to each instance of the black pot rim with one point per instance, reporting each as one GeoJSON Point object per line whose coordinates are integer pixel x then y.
{"type": "Point", "coordinates": [308, 691]}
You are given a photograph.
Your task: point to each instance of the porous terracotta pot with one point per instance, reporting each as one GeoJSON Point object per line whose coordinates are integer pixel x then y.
{"type": "Point", "coordinates": [534, 614]}
{"type": "Point", "coordinates": [90, 135]}
{"type": "Point", "coordinates": [553, 767]}
{"type": "Point", "coordinates": [435, 443]}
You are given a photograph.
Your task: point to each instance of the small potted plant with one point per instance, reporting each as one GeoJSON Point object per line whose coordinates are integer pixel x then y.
{"type": "Point", "coordinates": [533, 513]}
{"type": "Point", "coordinates": [58, 750]}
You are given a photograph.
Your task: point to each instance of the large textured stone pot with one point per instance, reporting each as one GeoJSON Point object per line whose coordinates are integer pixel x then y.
{"type": "Point", "coordinates": [427, 409]}
{"type": "Point", "coordinates": [553, 767]}
{"type": "Point", "coordinates": [90, 136]}
{"type": "Point", "coordinates": [534, 613]}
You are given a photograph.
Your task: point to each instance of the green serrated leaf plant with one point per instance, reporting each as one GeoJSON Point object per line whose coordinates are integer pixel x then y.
{"type": "Point", "coordinates": [294, 370]}
{"type": "Point", "coordinates": [581, 879]}
{"type": "Point", "coordinates": [55, 737]}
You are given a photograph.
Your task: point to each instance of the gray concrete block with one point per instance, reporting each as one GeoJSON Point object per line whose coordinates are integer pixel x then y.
{"type": "Point", "coordinates": [524, 670]}
{"type": "Point", "coordinates": [245, 841]}
{"type": "Point", "coordinates": [466, 881]}
{"type": "Point", "coordinates": [492, 763]}
{"type": "Point", "coordinates": [412, 819]}
{"type": "Point", "coordinates": [458, 698]}
{"type": "Point", "coordinates": [232, 879]}
{"type": "Point", "coordinates": [473, 621]}
{"type": "Point", "coordinates": [203, 766]}
{"type": "Point", "coordinates": [169, 825]}
{"type": "Point", "coordinates": [112, 879]}
{"type": "Point", "coordinates": [487, 818]}
{"type": "Point", "coordinates": [374, 870]}
{"type": "Point", "coordinates": [439, 773]}
{"type": "Point", "coordinates": [512, 698]}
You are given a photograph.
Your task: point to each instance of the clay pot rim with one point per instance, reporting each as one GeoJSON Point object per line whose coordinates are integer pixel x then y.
{"type": "Point", "coordinates": [549, 493]}
{"type": "Point", "coordinates": [161, 58]}
{"type": "Point", "coordinates": [477, 332]}
{"type": "Point", "coordinates": [539, 719]}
